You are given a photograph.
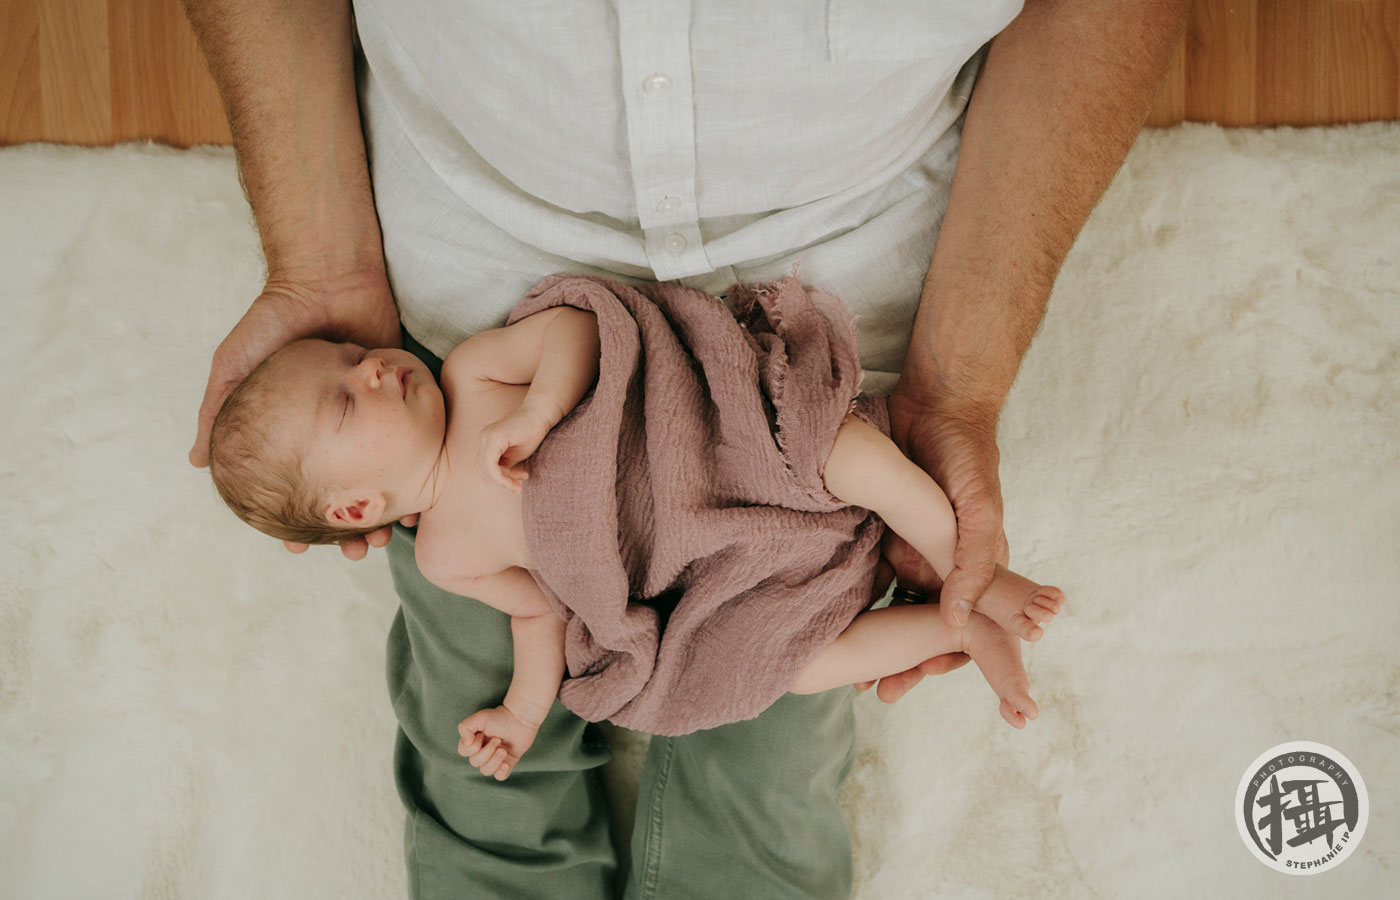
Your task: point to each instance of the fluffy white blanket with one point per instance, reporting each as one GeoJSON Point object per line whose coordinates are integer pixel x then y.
{"type": "Point", "coordinates": [1201, 450]}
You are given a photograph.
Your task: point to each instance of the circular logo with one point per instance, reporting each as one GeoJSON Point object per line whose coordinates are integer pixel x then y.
{"type": "Point", "coordinates": [1301, 807]}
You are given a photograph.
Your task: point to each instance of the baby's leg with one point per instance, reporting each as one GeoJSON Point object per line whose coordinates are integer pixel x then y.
{"type": "Point", "coordinates": [867, 469]}
{"type": "Point", "coordinates": [882, 642]}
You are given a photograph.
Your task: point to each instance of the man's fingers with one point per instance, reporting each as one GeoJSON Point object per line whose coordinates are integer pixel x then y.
{"type": "Point", "coordinates": [215, 392]}
{"type": "Point", "coordinates": [940, 665]}
{"type": "Point", "coordinates": [884, 575]}
{"type": "Point", "coordinates": [295, 547]}
{"type": "Point", "coordinates": [354, 549]}
{"type": "Point", "coordinates": [892, 687]}
{"type": "Point", "coordinates": [380, 537]}
{"type": "Point", "coordinates": [980, 536]}
{"type": "Point", "coordinates": [962, 590]}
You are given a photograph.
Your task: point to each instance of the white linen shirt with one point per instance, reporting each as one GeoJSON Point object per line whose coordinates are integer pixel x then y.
{"type": "Point", "coordinates": [707, 142]}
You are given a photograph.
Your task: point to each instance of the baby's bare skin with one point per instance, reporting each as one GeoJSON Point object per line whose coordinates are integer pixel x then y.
{"type": "Point", "coordinates": [477, 520]}
{"type": "Point", "coordinates": [864, 468]}
{"type": "Point", "coordinates": [867, 469]}
{"type": "Point", "coordinates": [453, 451]}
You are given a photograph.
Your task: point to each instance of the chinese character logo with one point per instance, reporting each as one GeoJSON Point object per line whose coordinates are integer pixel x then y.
{"type": "Point", "coordinates": [1301, 807]}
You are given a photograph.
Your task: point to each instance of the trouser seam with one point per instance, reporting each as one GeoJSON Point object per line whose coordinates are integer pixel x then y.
{"type": "Point", "coordinates": [416, 882]}
{"type": "Point", "coordinates": [651, 872]}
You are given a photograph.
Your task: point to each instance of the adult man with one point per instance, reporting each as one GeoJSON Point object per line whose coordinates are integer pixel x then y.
{"type": "Point", "coordinates": [711, 144]}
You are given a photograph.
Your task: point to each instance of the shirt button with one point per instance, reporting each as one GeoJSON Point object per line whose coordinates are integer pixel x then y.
{"type": "Point", "coordinates": [668, 205]}
{"type": "Point", "coordinates": [675, 242]}
{"type": "Point", "coordinates": [656, 84]}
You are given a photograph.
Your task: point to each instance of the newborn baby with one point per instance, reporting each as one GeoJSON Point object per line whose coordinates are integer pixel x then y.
{"type": "Point", "coordinates": [325, 440]}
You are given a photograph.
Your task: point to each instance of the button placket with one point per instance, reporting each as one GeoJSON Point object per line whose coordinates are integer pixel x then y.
{"type": "Point", "coordinates": [654, 43]}
{"type": "Point", "coordinates": [656, 84]}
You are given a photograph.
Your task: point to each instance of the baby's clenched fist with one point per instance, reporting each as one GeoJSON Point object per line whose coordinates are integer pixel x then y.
{"type": "Point", "coordinates": [493, 740]}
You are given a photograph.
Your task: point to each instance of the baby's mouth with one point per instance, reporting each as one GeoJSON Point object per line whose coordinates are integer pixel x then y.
{"type": "Point", "coordinates": [403, 381]}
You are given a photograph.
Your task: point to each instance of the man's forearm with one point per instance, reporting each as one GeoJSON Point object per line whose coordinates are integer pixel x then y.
{"type": "Point", "coordinates": [539, 666]}
{"type": "Point", "coordinates": [1063, 92]}
{"type": "Point", "coordinates": [285, 72]}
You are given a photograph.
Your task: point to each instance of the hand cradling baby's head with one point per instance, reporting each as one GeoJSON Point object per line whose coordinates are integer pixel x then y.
{"type": "Point", "coordinates": [256, 459]}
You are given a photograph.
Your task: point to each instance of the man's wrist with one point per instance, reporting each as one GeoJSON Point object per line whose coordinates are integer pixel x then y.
{"type": "Point", "coordinates": [972, 407]}
{"type": "Point", "coordinates": [311, 251]}
{"type": "Point", "coordinates": [311, 278]}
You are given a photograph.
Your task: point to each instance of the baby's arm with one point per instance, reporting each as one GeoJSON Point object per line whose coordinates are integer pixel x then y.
{"type": "Point", "coordinates": [494, 739]}
{"type": "Point", "coordinates": [556, 352]}
{"type": "Point", "coordinates": [539, 666]}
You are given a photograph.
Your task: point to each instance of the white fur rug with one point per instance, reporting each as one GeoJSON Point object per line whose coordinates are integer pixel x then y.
{"type": "Point", "coordinates": [1201, 450]}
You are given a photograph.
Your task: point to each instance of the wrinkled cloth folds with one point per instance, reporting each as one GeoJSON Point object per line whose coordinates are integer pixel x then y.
{"type": "Point", "coordinates": [677, 519]}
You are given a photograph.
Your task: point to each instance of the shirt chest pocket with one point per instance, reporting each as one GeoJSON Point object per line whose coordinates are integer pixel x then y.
{"type": "Point", "coordinates": [913, 29]}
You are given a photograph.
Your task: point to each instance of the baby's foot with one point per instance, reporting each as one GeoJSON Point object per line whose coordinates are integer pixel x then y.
{"type": "Point", "coordinates": [998, 654]}
{"type": "Point", "coordinates": [1019, 605]}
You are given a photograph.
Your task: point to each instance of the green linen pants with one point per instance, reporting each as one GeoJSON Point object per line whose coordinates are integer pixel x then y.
{"type": "Point", "coordinates": [747, 810]}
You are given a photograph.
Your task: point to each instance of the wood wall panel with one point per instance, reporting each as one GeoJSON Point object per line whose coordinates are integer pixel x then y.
{"type": "Point", "coordinates": [1364, 60]}
{"type": "Point", "coordinates": [20, 115]}
{"type": "Point", "coordinates": [102, 72]}
{"type": "Point", "coordinates": [1293, 45]}
{"type": "Point", "coordinates": [160, 86]}
{"type": "Point", "coordinates": [1285, 62]}
{"type": "Point", "coordinates": [74, 87]}
{"type": "Point", "coordinates": [1221, 48]}
{"type": "Point", "coordinates": [105, 71]}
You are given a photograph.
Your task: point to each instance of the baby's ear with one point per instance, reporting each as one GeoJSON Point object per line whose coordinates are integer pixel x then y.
{"type": "Point", "coordinates": [355, 509]}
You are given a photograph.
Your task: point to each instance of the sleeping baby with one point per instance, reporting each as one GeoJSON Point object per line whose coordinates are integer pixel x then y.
{"type": "Point", "coordinates": [327, 440]}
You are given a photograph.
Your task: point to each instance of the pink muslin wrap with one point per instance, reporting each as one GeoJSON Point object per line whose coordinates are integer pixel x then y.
{"type": "Point", "coordinates": [677, 518]}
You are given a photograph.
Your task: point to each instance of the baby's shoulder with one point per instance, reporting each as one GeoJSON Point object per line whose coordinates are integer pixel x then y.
{"type": "Point", "coordinates": [457, 368]}
{"type": "Point", "coordinates": [472, 351]}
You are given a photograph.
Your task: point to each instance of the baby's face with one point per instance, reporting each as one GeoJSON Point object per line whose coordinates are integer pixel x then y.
{"type": "Point", "coordinates": [361, 418]}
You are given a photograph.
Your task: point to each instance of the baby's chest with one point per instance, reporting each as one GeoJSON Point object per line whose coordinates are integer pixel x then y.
{"type": "Point", "coordinates": [480, 521]}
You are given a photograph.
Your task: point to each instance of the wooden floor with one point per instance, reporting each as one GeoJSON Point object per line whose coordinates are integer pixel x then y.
{"type": "Point", "coordinates": [1285, 62]}
{"type": "Point", "coordinates": [106, 71]}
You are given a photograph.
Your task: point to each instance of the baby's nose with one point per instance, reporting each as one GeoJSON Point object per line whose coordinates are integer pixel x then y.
{"type": "Point", "coordinates": [374, 370]}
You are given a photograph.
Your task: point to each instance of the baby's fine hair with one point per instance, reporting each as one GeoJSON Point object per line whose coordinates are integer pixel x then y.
{"type": "Point", "coordinates": [259, 480]}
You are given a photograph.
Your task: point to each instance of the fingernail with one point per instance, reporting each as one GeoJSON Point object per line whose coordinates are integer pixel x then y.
{"type": "Point", "coordinates": [961, 610]}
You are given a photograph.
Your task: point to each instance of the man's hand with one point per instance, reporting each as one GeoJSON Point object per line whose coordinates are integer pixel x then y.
{"type": "Point", "coordinates": [1074, 82]}
{"type": "Point", "coordinates": [958, 448]}
{"type": "Point", "coordinates": [905, 560]}
{"type": "Point", "coordinates": [354, 308]}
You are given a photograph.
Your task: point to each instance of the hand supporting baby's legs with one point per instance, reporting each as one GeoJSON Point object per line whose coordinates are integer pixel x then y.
{"type": "Point", "coordinates": [882, 642]}
{"type": "Point", "coordinates": [866, 468]}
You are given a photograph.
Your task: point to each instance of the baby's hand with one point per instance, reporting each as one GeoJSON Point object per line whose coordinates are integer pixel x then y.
{"type": "Point", "coordinates": [494, 740]}
{"type": "Point", "coordinates": [505, 443]}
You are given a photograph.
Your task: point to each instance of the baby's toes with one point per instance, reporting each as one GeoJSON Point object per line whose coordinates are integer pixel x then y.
{"type": "Point", "coordinates": [1026, 626]}
{"type": "Point", "coordinates": [1012, 715]}
{"type": "Point", "coordinates": [1018, 708]}
{"type": "Point", "coordinates": [1050, 597]}
{"type": "Point", "coordinates": [1045, 604]}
